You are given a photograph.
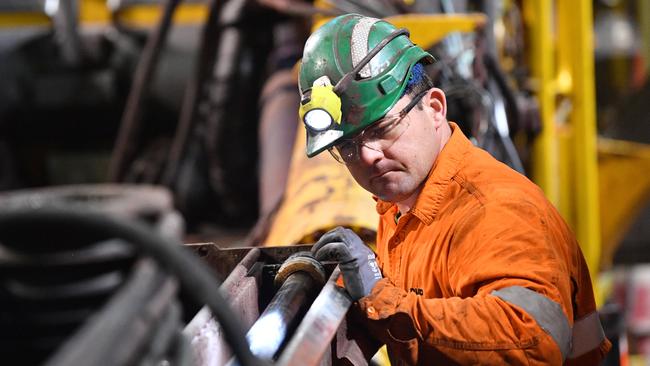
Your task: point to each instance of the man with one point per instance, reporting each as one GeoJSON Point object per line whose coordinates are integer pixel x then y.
{"type": "Point", "coordinates": [478, 267]}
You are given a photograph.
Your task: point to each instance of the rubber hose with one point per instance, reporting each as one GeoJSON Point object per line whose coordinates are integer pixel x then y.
{"type": "Point", "coordinates": [200, 284]}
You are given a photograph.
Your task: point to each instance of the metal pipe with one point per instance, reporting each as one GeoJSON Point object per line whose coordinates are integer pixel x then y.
{"type": "Point", "coordinates": [131, 124]}
{"type": "Point", "coordinates": [271, 329]}
{"type": "Point", "coordinates": [66, 29]}
{"type": "Point", "coordinates": [193, 94]}
{"type": "Point", "coordinates": [301, 275]}
{"type": "Point", "coordinates": [318, 327]}
{"type": "Point", "coordinates": [277, 133]}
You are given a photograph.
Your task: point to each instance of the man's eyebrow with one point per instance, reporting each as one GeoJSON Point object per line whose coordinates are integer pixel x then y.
{"type": "Point", "coordinates": [386, 118]}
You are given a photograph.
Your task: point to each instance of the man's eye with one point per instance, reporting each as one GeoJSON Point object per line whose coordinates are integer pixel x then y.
{"type": "Point", "coordinates": [383, 128]}
{"type": "Point", "coordinates": [375, 133]}
{"type": "Point", "coordinates": [346, 148]}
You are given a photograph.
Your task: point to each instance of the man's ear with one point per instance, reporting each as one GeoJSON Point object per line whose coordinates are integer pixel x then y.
{"type": "Point", "coordinates": [438, 102]}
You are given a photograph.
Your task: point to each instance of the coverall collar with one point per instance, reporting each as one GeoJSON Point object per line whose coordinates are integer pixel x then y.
{"type": "Point", "coordinates": [444, 168]}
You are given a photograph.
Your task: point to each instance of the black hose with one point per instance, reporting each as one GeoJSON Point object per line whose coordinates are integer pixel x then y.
{"type": "Point", "coordinates": [499, 76]}
{"type": "Point", "coordinates": [194, 277]}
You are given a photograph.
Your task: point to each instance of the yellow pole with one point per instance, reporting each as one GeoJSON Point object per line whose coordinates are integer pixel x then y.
{"type": "Point", "coordinates": [580, 49]}
{"type": "Point", "coordinates": [545, 159]}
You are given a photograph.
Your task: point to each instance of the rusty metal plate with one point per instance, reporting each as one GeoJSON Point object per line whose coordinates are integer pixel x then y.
{"type": "Point", "coordinates": [223, 261]}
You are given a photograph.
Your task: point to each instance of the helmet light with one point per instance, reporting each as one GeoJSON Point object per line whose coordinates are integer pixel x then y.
{"type": "Point", "coordinates": [320, 107]}
{"type": "Point", "coordinates": [318, 119]}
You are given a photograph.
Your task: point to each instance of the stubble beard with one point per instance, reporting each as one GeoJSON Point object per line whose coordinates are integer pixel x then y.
{"type": "Point", "coordinates": [396, 190]}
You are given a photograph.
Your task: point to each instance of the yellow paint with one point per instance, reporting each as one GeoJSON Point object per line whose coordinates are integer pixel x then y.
{"type": "Point", "coordinates": [95, 12]}
{"type": "Point", "coordinates": [577, 41]}
{"type": "Point", "coordinates": [148, 15]}
{"type": "Point", "coordinates": [564, 83]}
{"type": "Point", "coordinates": [565, 172]}
{"type": "Point", "coordinates": [319, 196]}
{"type": "Point", "coordinates": [23, 19]}
{"type": "Point", "coordinates": [624, 189]}
{"type": "Point", "coordinates": [538, 18]}
{"type": "Point", "coordinates": [428, 29]}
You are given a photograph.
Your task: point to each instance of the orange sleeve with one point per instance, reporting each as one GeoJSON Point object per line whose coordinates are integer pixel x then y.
{"type": "Point", "coordinates": [496, 246]}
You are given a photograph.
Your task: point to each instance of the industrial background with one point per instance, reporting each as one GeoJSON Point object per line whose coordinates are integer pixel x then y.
{"type": "Point", "coordinates": [179, 120]}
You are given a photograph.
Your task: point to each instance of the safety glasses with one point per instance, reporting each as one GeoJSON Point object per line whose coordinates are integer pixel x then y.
{"type": "Point", "coordinates": [379, 136]}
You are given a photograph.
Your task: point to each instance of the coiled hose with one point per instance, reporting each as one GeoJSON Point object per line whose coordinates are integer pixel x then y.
{"type": "Point", "coordinates": [192, 275]}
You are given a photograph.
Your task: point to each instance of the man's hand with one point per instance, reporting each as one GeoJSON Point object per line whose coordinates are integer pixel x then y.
{"type": "Point", "coordinates": [356, 261]}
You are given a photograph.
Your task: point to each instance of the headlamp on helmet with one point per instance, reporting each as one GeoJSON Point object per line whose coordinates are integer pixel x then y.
{"type": "Point", "coordinates": [320, 107]}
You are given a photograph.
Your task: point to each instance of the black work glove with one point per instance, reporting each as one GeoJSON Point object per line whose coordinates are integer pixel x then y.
{"type": "Point", "coordinates": [356, 261]}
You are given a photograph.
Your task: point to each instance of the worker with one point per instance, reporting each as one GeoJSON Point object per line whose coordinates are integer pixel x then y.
{"type": "Point", "coordinates": [473, 265]}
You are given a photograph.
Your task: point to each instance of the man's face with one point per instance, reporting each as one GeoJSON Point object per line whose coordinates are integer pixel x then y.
{"type": "Point", "coordinates": [394, 174]}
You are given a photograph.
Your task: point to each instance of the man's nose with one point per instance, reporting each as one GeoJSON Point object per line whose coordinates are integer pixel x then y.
{"type": "Point", "coordinates": [369, 153]}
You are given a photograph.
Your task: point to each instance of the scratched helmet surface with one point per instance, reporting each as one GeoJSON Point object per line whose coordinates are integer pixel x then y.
{"type": "Point", "coordinates": [334, 50]}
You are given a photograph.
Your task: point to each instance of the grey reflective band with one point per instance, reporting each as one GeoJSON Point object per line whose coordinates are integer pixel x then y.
{"type": "Point", "coordinates": [359, 44]}
{"type": "Point", "coordinates": [588, 334]}
{"type": "Point", "coordinates": [547, 313]}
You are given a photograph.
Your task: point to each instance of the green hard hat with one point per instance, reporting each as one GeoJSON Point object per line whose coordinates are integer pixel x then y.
{"type": "Point", "coordinates": [339, 46]}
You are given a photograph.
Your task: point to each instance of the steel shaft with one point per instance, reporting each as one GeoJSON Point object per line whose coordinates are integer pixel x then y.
{"type": "Point", "coordinates": [271, 329]}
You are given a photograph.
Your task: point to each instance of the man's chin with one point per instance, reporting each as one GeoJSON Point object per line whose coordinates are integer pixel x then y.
{"type": "Point", "coordinates": [389, 195]}
{"type": "Point", "coordinates": [393, 192]}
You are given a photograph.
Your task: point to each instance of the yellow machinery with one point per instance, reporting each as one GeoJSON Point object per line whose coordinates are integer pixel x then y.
{"type": "Point", "coordinates": [624, 189]}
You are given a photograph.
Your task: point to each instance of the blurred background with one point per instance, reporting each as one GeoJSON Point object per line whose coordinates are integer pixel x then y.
{"type": "Point", "coordinates": [199, 99]}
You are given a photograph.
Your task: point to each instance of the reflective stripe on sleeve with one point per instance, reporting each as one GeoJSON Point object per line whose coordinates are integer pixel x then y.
{"type": "Point", "coordinates": [547, 313]}
{"type": "Point", "coordinates": [588, 334]}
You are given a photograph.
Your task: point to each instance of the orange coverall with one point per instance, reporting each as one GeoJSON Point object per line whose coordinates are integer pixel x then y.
{"type": "Point", "coordinates": [482, 270]}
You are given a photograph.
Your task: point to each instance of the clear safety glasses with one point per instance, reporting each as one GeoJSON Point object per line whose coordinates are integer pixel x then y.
{"type": "Point", "coordinates": [379, 136]}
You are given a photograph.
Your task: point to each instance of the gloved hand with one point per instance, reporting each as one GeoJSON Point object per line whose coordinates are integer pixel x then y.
{"type": "Point", "coordinates": [356, 261]}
